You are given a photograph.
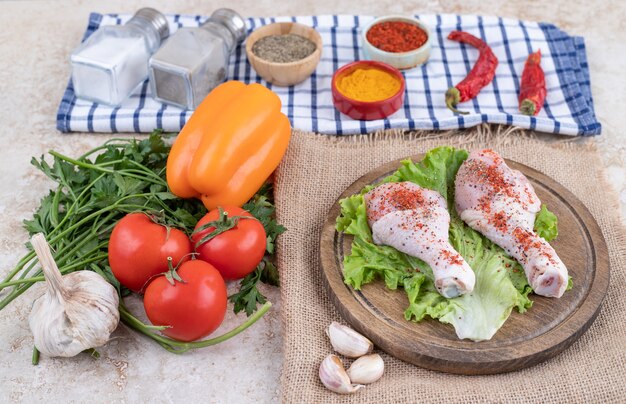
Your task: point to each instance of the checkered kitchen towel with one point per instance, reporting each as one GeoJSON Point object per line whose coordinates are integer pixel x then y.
{"type": "Point", "coordinates": [569, 108]}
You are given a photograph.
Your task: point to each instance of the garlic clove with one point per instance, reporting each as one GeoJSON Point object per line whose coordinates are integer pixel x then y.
{"type": "Point", "coordinates": [348, 342]}
{"type": "Point", "coordinates": [367, 369]}
{"type": "Point", "coordinates": [335, 378]}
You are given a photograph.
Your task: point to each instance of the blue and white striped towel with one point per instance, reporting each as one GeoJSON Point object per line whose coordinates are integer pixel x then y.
{"type": "Point", "coordinates": [568, 110]}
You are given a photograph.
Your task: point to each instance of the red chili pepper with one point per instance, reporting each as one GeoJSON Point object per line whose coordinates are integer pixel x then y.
{"type": "Point", "coordinates": [532, 92]}
{"type": "Point", "coordinates": [481, 74]}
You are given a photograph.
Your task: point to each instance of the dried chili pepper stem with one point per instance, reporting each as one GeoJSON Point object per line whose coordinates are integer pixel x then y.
{"type": "Point", "coordinates": [533, 86]}
{"type": "Point", "coordinates": [481, 74]}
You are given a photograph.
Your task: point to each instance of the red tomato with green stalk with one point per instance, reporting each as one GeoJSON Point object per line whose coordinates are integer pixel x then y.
{"type": "Point", "coordinates": [139, 248]}
{"type": "Point", "coordinates": [190, 301]}
{"type": "Point", "coordinates": [230, 239]}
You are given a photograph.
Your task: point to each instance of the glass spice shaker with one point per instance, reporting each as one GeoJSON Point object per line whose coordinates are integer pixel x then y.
{"type": "Point", "coordinates": [195, 60]}
{"type": "Point", "coordinates": [113, 61]}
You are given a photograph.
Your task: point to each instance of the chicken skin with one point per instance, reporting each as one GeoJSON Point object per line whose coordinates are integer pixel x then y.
{"type": "Point", "coordinates": [501, 204]}
{"type": "Point", "coordinates": [415, 221]}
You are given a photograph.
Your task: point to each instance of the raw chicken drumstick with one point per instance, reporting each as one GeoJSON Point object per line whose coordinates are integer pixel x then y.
{"type": "Point", "coordinates": [415, 221]}
{"type": "Point", "coordinates": [501, 204]}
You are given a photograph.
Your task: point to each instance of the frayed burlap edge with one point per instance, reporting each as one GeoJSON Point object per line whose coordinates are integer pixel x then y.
{"type": "Point", "coordinates": [495, 135]}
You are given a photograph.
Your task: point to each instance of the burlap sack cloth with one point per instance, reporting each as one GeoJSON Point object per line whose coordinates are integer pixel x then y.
{"type": "Point", "coordinates": [317, 169]}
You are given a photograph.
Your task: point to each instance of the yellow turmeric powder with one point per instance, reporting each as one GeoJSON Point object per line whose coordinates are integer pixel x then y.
{"type": "Point", "coordinates": [368, 85]}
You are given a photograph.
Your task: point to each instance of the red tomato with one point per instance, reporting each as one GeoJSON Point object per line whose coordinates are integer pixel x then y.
{"type": "Point", "coordinates": [236, 252]}
{"type": "Point", "coordinates": [192, 309]}
{"type": "Point", "coordinates": [139, 248]}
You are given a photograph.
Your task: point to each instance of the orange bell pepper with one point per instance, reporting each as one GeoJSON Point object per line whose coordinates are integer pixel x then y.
{"type": "Point", "coordinates": [231, 144]}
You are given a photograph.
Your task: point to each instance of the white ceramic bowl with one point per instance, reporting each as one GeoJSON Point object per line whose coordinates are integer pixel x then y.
{"type": "Point", "coordinates": [400, 60]}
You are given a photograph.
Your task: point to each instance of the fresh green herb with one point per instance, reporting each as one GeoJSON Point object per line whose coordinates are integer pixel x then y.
{"type": "Point", "coordinates": [261, 207]}
{"type": "Point", "coordinates": [249, 296]}
{"type": "Point", "coordinates": [93, 193]}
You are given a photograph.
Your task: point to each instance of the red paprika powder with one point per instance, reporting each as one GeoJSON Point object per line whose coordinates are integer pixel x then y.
{"type": "Point", "coordinates": [396, 36]}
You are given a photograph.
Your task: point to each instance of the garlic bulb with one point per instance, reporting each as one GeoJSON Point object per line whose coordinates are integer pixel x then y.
{"type": "Point", "coordinates": [334, 376]}
{"type": "Point", "coordinates": [348, 342]}
{"type": "Point", "coordinates": [78, 311]}
{"type": "Point", "coordinates": [367, 369]}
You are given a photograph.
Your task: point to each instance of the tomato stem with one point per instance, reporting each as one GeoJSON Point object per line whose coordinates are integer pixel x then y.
{"type": "Point", "coordinates": [179, 347]}
{"type": "Point", "coordinates": [171, 275]}
{"type": "Point", "coordinates": [221, 225]}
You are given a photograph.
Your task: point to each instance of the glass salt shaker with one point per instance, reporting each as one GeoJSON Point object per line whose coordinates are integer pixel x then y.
{"type": "Point", "coordinates": [113, 61]}
{"type": "Point", "coordinates": [195, 60]}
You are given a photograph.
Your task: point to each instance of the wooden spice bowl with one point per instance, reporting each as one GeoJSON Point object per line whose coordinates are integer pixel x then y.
{"type": "Point", "coordinates": [285, 74]}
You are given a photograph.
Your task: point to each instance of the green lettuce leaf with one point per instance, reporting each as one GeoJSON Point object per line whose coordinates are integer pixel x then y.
{"type": "Point", "coordinates": [546, 224]}
{"type": "Point", "coordinates": [500, 281]}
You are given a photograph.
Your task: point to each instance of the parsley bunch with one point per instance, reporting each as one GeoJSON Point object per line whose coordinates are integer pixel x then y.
{"type": "Point", "coordinates": [94, 191]}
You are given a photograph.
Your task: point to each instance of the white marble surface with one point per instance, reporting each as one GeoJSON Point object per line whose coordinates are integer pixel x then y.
{"type": "Point", "coordinates": [35, 41]}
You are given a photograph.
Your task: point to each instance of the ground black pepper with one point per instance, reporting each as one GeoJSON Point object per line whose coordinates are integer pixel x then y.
{"type": "Point", "coordinates": [283, 48]}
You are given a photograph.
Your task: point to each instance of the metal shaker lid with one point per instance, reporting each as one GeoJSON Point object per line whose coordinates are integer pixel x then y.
{"type": "Point", "coordinates": [231, 20]}
{"type": "Point", "coordinates": [156, 19]}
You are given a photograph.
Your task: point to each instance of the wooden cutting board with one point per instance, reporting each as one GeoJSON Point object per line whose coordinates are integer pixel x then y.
{"type": "Point", "coordinates": [546, 329]}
